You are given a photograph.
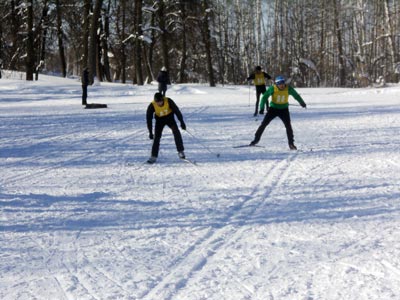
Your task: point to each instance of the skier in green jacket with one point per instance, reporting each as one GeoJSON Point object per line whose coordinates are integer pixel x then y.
{"type": "Point", "coordinates": [279, 107]}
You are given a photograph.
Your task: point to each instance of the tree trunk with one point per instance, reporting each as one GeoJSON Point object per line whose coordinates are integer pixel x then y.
{"type": "Point", "coordinates": [338, 31]}
{"type": "Point", "coordinates": [1, 43]}
{"type": "Point", "coordinates": [30, 51]}
{"type": "Point", "coordinates": [258, 26]}
{"type": "Point", "coordinates": [138, 42]}
{"type": "Point", "coordinates": [207, 43]}
{"type": "Point", "coordinates": [93, 42]}
{"type": "Point", "coordinates": [60, 35]}
{"type": "Point", "coordinates": [104, 42]}
{"type": "Point", "coordinates": [182, 67]}
{"type": "Point", "coordinates": [42, 28]}
{"type": "Point", "coordinates": [391, 43]}
{"type": "Point", "coordinates": [123, 54]}
{"type": "Point", "coordinates": [164, 44]}
{"type": "Point", "coordinates": [150, 47]}
{"type": "Point", "coordinates": [85, 35]}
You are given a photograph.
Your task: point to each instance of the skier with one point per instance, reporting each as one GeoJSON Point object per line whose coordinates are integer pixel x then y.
{"type": "Point", "coordinates": [163, 81]}
{"type": "Point", "coordinates": [164, 109]}
{"type": "Point", "coordinates": [279, 107]}
{"type": "Point", "coordinates": [259, 81]}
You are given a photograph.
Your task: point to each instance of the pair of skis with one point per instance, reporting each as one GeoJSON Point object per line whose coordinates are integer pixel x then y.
{"type": "Point", "coordinates": [182, 159]}
{"type": "Point", "coordinates": [194, 162]}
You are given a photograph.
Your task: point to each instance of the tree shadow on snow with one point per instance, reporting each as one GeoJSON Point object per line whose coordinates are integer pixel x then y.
{"type": "Point", "coordinates": [94, 211]}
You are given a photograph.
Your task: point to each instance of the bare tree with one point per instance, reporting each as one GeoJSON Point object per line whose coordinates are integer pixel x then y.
{"type": "Point", "coordinates": [164, 38]}
{"type": "Point", "coordinates": [338, 31]}
{"type": "Point", "coordinates": [123, 27]}
{"type": "Point", "coordinates": [2, 19]}
{"type": "Point", "coordinates": [105, 41]}
{"type": "Point", "coordinates": [207, 42]}
{"type": "Point", "coordinates": [60, 35]}
{"type": "Point", "coordinates": [328, 42]}
{"type": "Point", "coordinates": [183, 58]}
{"type": "Point", "coordinates": [41, 38]}
{"type": "Point", "coordinates": [94, 70]}
{"type": "Point", "coordinates": [85, 35]}
{"type": "Point", "coordinates": [30, 51]}
{"type": "Point", "coordinates": [138, 42]}
{"type": "Point", "coordinates": [258, 30]}
{"type": "Point", "coordinates": [391, 43]}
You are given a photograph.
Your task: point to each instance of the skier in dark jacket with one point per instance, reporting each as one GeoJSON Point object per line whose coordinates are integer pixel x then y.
{"type": "Point", "coordinates": [279, 107]}
{"type": "Point", "coordinates": [259, 77]}
{"type": "Point", "coordinates": [163, 81]}
{"type": "Point", "coordinates": [164, 110]}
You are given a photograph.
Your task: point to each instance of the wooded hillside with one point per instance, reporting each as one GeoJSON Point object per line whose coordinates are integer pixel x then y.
{"type": "Point", "coordinates": [314, 42]}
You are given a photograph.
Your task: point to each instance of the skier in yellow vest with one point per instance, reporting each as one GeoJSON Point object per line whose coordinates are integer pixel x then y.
{"type": "Point", "coordinates": [279, 107]}
{"type": "Point", "coordinates": [259, 77]}
{"type": "Point", "coordinates": [164, 110]}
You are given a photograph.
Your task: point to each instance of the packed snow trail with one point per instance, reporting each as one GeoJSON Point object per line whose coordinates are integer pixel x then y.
{"type": "Point", "coordinates": [83, 217]}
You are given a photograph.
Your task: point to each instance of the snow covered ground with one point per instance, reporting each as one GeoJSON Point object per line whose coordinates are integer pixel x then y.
{"type": "Point", "coordinates": [83, 217]}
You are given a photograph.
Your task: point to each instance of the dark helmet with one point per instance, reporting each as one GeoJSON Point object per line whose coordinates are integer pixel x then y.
{"type": "Point", "coordinates": [279, 80]}
{"type": "Point", "coordinates": [158, 97]}
{"type": "Point", "coordinates": [258, 68]}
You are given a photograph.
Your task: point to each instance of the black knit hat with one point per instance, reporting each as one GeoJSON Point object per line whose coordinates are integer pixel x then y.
{"type": "Point", "coordinates": [158, 97]}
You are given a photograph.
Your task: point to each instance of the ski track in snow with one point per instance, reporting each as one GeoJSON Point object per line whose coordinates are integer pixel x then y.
{"type": "Point", "coordinates": [83, 217]}
{"type": "Point", "coordinates": [194, 259]}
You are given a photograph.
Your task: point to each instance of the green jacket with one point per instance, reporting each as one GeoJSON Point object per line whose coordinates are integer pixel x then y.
{"type": "Point", "coordinates": [270, 92]}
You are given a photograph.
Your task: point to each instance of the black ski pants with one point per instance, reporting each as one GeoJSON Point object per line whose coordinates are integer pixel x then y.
{"type": "Point", "coordinates": [159, 127]}
{"type": "Point", "coordinates": [272, 113]}
{"type": "Point", "coordinates": [260, 90]}
{"type": "Point", "coordinates": [162, 88]}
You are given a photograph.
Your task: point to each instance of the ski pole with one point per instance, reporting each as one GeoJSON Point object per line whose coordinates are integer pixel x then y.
{"type": "Point", "coordinates": [297, 105]}
{"type": "Point", "coordinates": [200, 143]}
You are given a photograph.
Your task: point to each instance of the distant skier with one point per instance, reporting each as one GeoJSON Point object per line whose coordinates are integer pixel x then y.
{"type": "Point", "coordinates": [163, 81]}
{"type": "Point", "coordinates": [164, 110]}
{"type": "Point", "coordinates": [259, 81]}
{"type": "Point", "coordinates": [279, 107]}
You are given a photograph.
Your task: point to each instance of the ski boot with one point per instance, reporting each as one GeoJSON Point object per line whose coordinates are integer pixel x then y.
{"type": "Point", "coordinates": [152, 160]}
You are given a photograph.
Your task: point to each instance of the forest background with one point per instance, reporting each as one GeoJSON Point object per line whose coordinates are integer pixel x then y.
{"type": "Point", "coordinates": [352, 43]}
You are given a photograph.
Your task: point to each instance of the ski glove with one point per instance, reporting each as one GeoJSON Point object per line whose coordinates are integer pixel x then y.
{"type": "Point", "coordinates": [183, 125]}
{"type": "Point", "coordinates": [303, 105]}
{"type": "Point", "coordinates": [151, 136]}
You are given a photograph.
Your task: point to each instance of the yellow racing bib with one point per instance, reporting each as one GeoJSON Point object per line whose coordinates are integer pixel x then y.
{"type": "Point", "coordinates": [280, 96]}
{"type": "Point", "coordinates": [162, 111]}
{"type": "Point", "coordinates": [259, 79]}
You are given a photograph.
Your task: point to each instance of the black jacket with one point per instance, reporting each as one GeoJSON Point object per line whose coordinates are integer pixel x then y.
{"type": "Point", "coordinates": [163, 78]}
{"type": "Point", "coordinates": [253, 76]}
{"type": "Point", "coordinates": [150, 113]}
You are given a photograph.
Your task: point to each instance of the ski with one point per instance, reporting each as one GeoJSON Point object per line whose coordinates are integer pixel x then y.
{"type": "Point", "coordinates": [189, 161]}
{"type": "Point", "coordinates": [243, 146]}
{"type": "Point", "coordinates": [148, 162]}
{"type": "Point", "coordinates": [138, 164]}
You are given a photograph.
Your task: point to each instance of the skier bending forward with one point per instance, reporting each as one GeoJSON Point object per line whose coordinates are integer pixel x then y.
{"type": "Point", "coordinates": [164, 110]}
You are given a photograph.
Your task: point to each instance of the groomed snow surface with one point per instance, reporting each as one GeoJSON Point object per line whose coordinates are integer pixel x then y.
{"type": "Point", "coordinates": [83, 217]}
